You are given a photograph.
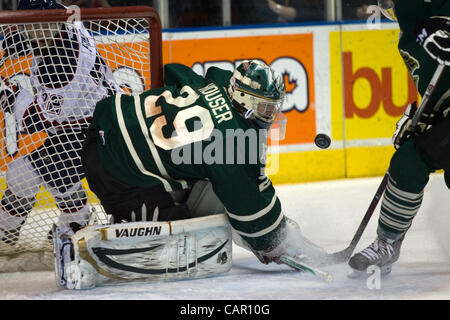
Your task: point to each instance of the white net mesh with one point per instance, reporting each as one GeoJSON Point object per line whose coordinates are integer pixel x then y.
{"type": "Point", "coordinates": [52, 76]}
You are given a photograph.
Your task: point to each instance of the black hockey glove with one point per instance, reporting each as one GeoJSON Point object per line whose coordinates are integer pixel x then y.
{"type": "Point", "coordinates": [404, 130]}
{"type": "Point", "coordinates": [433, 35]}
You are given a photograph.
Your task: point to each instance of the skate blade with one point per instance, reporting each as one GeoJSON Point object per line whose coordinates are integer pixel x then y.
{"type": "Point", "coordinates": [358, 274]}
{"type": "Point", "coordinates": [386, 270]}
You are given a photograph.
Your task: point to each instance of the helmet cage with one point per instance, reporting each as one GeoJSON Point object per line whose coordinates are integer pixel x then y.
{"type": "Point", "coordinates": [262, 108]}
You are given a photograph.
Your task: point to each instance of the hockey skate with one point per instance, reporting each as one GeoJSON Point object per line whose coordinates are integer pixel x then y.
{"type": "Point", "coordinates": [381, 253]}
{"type": "Point", "coordinates": [63, 249]}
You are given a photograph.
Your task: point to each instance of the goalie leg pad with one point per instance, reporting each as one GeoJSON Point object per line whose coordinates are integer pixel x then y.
{"type": "Point", "coordinates": [58, 160]}
{"type": "Point", "coordinates": [143, 252]}
{"type": "Point", "coordinates": [13, 213]}
{"type": "Point", "coordinates": [22, 179]}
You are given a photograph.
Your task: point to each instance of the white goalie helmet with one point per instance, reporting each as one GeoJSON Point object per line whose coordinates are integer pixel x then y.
{"type": "Point", "coordinates": [257, 92]}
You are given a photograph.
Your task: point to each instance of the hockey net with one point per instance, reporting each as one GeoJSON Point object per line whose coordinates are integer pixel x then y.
{"type": "Point", "coordinates": [55, 65]}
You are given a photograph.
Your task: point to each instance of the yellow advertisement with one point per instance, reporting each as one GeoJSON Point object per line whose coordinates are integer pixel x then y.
{"type": "Point", "coordinates": [370, 84]}
{"type": "Point", "coordinates": [370, 90]}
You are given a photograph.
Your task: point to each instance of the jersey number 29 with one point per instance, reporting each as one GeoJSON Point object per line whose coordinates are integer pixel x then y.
{"type": "Point", "coordinates": [204, 124]}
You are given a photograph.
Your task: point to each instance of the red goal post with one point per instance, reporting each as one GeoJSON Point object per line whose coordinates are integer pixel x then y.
{"type": "Point", "coordinates": [128, 39]}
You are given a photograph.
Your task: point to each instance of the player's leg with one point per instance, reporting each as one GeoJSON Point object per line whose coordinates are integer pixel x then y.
{"type": "Point", "coordinates": [408, 175]}
{"type": "Point", "coordinates": [58, 162]}
{"type": "Point", "coordinates": [22, 180]}
{"type": "Point", "coordinates": [73, 205]}
{"type": "Point", "coordinates": [202, 201]}
{"type": "Point", "coordinates": [23, 184]}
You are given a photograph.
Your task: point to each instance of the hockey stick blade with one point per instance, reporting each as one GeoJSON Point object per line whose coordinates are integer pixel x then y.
{"type": "Point", "coordinates": [299, 265]}
{"type": "Point", "coordinates": [337, 257]}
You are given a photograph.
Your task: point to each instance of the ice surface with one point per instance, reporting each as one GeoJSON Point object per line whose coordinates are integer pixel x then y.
{"type": "Point", "coordinates": [329, 214]}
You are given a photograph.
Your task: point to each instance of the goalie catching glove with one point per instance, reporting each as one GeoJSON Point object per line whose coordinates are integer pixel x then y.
{"type": "Point", "coordinates": [292, 243]}
{"type": "Point", "coordinates": [434, 37]}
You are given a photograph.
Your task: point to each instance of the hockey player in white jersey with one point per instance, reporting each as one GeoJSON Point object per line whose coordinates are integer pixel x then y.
{"type": "Point", "coordinates": [68, 77]}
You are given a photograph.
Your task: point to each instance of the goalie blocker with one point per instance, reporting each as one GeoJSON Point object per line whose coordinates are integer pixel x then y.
{"type": "Point", "coordinates": [143, 251]}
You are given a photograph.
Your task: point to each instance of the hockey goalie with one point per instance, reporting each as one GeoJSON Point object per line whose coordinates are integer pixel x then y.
{"type": "Point", "coordinates": [67, 77]}
{"type": "Point", "coordinates": [168, 168]}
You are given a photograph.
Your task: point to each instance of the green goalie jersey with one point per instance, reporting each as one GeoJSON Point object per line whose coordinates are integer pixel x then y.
{"type": "Point", "coordinates": [410, 13]}
{"type": "Point", "coordinates": [186, 131]}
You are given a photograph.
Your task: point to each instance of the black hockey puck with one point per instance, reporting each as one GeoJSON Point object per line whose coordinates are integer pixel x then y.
{"type": "Point", "coordinates": [322, 141]}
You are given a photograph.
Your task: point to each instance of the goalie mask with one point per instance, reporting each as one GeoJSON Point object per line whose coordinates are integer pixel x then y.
{"type": "Point", "coordinates": [257, 92]}
{"type": "Point", "coordinates": [387, 8]}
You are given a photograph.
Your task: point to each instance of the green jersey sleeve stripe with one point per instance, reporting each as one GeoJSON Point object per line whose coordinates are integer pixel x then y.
{"type": "Point", "coordinates": [134, 155]}
{"type": "Point", "coordinates": [151, 145]}
{"type": "Point", "coordinates": [256, 215]}
{"type": "Point", "coordinates": [264, 231]}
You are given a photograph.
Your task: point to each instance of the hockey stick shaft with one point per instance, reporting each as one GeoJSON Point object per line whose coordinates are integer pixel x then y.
{"type": "Point", "coordinates": [344, 255]}
{"type": "Point", "coordinates": [368, 215]}
{"type": "Point", "coordinates": [426, 97]}
{"type": "Point", "coordinates": [301, 266]}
